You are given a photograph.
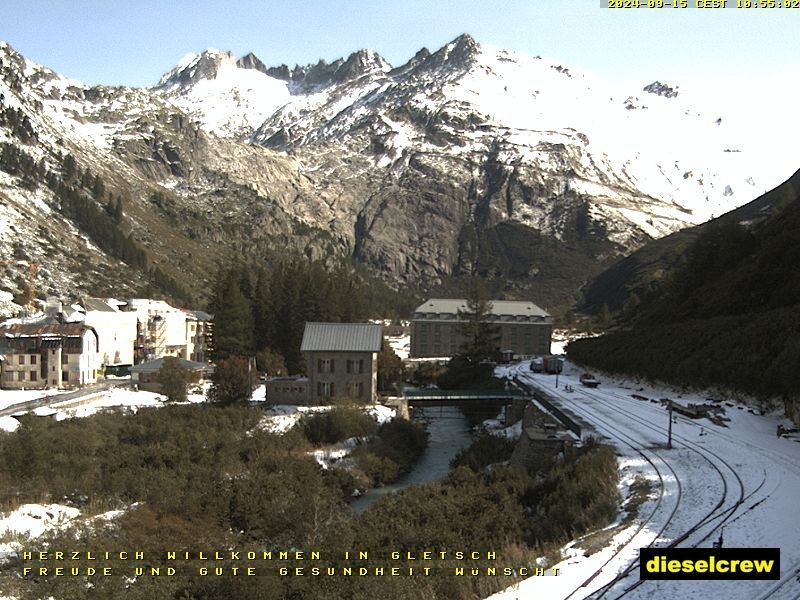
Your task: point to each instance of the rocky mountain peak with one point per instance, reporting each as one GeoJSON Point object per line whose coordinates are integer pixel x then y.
{"type": "Point", "coordinates": [661, 89]}
{"type": "Point", "coordinates": [360, 63]}
{"type": "Point", "coordinates": [251, 61]}
{"type": "Point", "coordinates": [461, 53]}
{"type": "Point", "coordinates": [464, 48]}
{"type": "Point", "coordinates": [196, 67]}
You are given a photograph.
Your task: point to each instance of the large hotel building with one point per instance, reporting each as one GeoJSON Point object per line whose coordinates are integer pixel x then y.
{"type": "Point", "coordinates": [524, 328]}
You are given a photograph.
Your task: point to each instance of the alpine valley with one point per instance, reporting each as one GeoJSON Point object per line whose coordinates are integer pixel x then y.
{"type": "Point", "coordinates": [467, 160]}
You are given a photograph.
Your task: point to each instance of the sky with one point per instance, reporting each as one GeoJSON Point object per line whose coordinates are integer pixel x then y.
{"type": "Point", "coordinates": [134, 43]}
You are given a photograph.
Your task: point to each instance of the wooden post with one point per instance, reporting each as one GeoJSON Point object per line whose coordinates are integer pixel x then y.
{"type": "Point", "coordinates": [669, 431]}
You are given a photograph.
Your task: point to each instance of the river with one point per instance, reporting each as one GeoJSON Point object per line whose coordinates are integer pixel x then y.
{"type": "Point", "coordinates": [449, 432]}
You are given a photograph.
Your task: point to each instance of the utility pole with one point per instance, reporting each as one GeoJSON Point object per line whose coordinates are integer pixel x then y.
{"type": "Point", "coordinates": [669, 431]}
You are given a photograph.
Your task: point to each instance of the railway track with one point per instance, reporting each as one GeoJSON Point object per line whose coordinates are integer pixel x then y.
{"type": "Point", "coordinates": [663, 472]}
{"type": "Point", "coordinates": [729, 507]}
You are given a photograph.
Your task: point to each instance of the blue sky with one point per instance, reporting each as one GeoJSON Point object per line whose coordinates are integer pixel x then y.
{"type": "Point", "coordinates": [133, 43]}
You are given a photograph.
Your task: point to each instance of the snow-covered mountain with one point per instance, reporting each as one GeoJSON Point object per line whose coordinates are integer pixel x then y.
{"type": "Point", "coordinates": [468, 159]}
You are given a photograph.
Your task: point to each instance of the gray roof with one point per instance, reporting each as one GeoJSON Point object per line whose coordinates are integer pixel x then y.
{"type": "Point", "coordinates": [155, 365]}
{"type": "Point", "coordinates": [97, 304]}
{"type": "Point", "coordinates": [342, 337]}
{"type": "Point", "coordinates": [499, 307]}
{"type": "Point", "coordinates": [201, 315]}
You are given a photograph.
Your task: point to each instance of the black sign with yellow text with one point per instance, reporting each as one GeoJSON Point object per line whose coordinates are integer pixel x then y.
{"type": "Point", "coordinates": [710, 563]}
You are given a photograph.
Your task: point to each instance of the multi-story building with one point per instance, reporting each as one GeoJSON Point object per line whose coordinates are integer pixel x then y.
{"type": "Point", "coordinates": [62, 355]}
{"type": "Point", "coordinates": [116, 330]}
{"type": "Point", "coordinates": [198, 335]}
{"type": "Point", "coordinates": [523, 328]}
{"type": "Point", "coordinates": [342, 360]}
{"type": "Point", "coordinates": [164, 330]}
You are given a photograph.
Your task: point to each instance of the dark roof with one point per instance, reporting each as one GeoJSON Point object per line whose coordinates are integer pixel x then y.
{"type": "Point", "coordinates": [44, 330]}
{"type": "Point", "coordinates": [342, 337]}
{"type": "Point", "coordinates": [155, 365]}
{"type": "Point", "coordinates": [97, 304]}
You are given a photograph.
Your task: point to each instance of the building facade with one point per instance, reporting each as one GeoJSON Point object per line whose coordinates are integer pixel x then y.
{"type": "Point", "coordinates": [523, 328]}
{"type": "Point", "coordinates": [342, 361]}
{"type": "Point", "coordinates": [287, 390]}
{"type": "Point", "coordinates": [60, 355]}
{"type": "Point", "coordinates": [163, 330]}
{"type": "Point", "coordinates": [116, 330]}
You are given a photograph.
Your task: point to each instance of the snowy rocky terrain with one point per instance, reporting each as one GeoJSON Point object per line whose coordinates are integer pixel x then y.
{"type": "Point", "coordinates": [468, 159]}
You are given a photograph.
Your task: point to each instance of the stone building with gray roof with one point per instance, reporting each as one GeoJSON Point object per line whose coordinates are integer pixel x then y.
{"type": "Point", "coordinates": [342, 360]}
{"type": "Point", "coordinates": [525, 329]}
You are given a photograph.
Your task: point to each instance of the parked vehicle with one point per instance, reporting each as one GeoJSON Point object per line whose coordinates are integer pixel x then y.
{"type": "Point", "coordinates": [589, 380]}
{"type": "Point", "coordinates": [537, 364]}
{"type": "Point", "coordinates": [553, 364]}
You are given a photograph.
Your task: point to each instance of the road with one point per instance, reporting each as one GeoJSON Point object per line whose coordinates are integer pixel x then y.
{"type": "Point", "coordinates": [72, 397]}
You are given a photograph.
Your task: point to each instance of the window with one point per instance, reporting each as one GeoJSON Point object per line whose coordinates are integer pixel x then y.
{"type": "Point", "coordinates": [33, 375]}
{"type": "Point", "coordinates": [22, 359]}
{"type": "Point", "coordinates": [324, 389]}
{"type": "Point", "coordinates": [64, 375]}
{"type": "Point", "coordinates": [33, 359]}
{"type": "Point", "coordinates": [355, 366]}
{"type": "Point", "coordinates": [325, 365]}
{"type": "Point", "coordinates": [20, 376]}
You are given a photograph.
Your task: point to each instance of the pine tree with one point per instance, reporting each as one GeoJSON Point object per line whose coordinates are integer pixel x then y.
{"type": "Point", "coordinates": [233, 319]}
{"type": "Point", "coordinates": [261, 305]}
{"type": "Point", "coordinates": [481, 338]}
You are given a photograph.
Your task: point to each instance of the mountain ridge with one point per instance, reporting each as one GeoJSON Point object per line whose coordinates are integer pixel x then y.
{"type": "Point", "coordinates": [423, 173]}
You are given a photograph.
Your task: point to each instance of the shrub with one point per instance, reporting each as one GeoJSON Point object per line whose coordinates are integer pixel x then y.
{"type": "Point", "coordinates": [339, 424]}
{"type": "Point", "coordinates": [173, 379]}
{"type": "Point", "coordinates": [485, 450]}
{"type": "Point", "coordinates": [231, 382]}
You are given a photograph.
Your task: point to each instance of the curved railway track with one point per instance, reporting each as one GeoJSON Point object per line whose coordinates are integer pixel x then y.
{"type": "Point", "coordinates": [733, 487]}
{"type": "Point", "coordinates": [614, 431]}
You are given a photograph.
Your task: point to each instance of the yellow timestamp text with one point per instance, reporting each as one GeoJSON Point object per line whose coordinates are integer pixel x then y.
{"type": "Point", "coordinates": [713, 4]}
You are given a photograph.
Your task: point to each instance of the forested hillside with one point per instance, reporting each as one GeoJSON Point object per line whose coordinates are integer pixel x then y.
{"type": "Point", "coordinates": [727, 317]}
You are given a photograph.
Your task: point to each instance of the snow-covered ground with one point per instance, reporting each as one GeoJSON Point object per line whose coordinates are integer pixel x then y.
{"type": "Point", "coordinates": [401, 345]}
{"type": "Point", "coordinates": [9, 397]}
{"type": "Point", "coordinates": [738, 479]}
{"type": "Point", "coordinates": [112, 398]}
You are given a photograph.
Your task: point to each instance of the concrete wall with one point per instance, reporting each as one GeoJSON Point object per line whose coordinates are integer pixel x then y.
{"type": "Point", "coordinates": [288, 390]}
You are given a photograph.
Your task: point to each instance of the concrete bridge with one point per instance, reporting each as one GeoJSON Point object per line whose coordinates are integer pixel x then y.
{"type": "Point", "coordinates": [476, 400]}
